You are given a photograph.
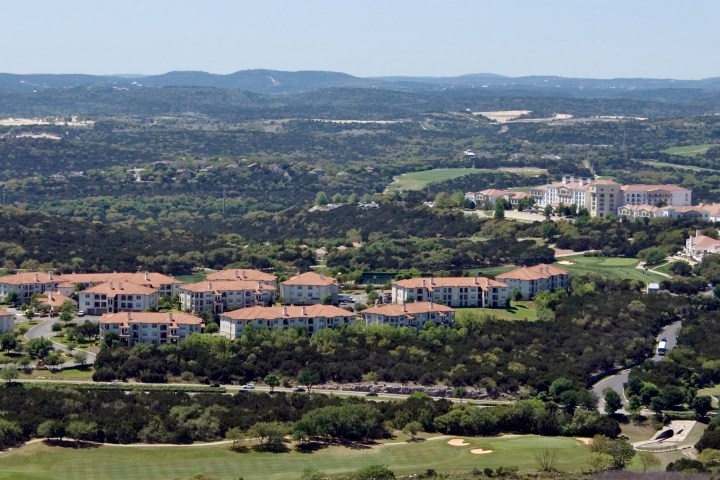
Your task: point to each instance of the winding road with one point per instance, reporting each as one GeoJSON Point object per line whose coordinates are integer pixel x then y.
{"type": "Point", "coordinates": [616, 382]}
{"type": "Point", "coordinates": [44, 329]}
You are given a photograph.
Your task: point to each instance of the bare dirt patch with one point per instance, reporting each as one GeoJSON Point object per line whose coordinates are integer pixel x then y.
{"type": "Point", "coordinates": [566, 262]}
{"type": "Point", "coordinates": [480, 451]}
{"type": "Point", "coordinates": [584, 440]}
{"type": "Point", "coordinates": [503, 116]}
{"type": "Point", "coordinates": [458, 442]}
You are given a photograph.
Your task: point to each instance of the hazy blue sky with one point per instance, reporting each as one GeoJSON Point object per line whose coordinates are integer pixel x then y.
{"type": "Point", "coordinates": [581, 38]}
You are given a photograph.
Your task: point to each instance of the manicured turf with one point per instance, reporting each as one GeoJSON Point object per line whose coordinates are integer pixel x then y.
{"type": "Point", "coordinates": [690, 150]}
{"type": "Point", "coordinates": [195, 278]}
{"type": "Point", "coordinates": [678, 166]}
{"type": "Point", "coordinates": [611, 267]}
{"type": "Point", "coordinates": [39, 461]}
{"type": "Point", "coordinates": [419, 180]}
{"type": "Point", "coordinates": [67, 374]}
{"type": "Point", "coordinates": [518, 311]}
{"type": "Point", "coordinates": [491, 271]}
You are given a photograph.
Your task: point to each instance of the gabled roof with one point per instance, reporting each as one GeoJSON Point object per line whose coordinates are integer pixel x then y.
{"type": "Point", "coordinates": [54, 299]}
{"type": "Point", "coordinates": [151, 317]}
{"type": "Point", "coordinates": [703, 241]}
{"type": "Point", "coordinates": [399, 309]}
{"type": "Point", "coordinates": [310, 278]}
{"type": "Point", "coordinates": [26, 278]}
{"type": "Point", "coordinates": [275, 313]}
{"type": "Point", "coordinates": [438, 282]}
{"type": "Point", "coordinates": [241, 274]}
{"type": "Point", "coordinates": [228, 286]}
{"type": "Point", "coordinates": [493, 192]}
{"type": "Point", "coordinates": [653, 188]}
{"type": "Point", "coordinates": [112, 289]}
{"type": "Point", "coordinates": [536, 272]}
{"type": "Point", "coordinates": [139, 278]}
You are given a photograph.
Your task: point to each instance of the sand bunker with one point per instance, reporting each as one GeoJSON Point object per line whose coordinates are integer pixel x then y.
{"type": "Point", "coordinates": [458, 442]}
{"type": "Point", "coordinates": [480, 451]}
{"type": "Point", "coordinates": [584, 440]}
{"type": "Point", "coordinates": [566, 262]}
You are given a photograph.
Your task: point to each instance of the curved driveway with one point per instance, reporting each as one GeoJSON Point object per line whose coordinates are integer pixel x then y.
{"type": "Point", "coordinates": [44, 329]}
{"type": "Point", "coordinates": [617, 382]}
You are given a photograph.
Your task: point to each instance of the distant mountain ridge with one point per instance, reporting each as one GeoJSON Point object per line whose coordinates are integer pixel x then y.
{"type": "Point", "coordinates": [284, 82]}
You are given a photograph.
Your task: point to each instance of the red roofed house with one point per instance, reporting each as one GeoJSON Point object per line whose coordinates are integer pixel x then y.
{"type": "Point", "coordinates": [308, 289]}
{"type": "Point", "coordinates": [150, 327]}
{"type": "Point", "coordinates": [414, 314]}
{"type": "Point", "coordinates": [452, 291]}
{"type": "Point", "coordinates": [7, 321]}
{"type": "Point", "coordinates": [54, 300]}
{"type": "Point", "coordinates": [220, 296]}
{"type": "Point", "coordinates": [539, 278]}
{"type": "Point", "coordinates": [114, 297]}
{"type": "Point", "coordinates": [312, 317]}
{"type": "Point", "coordinates": [700, 245]}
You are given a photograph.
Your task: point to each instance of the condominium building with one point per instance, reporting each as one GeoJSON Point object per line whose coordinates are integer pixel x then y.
{"type": "Point", "coordinates": [452, 291]}
{"type": "Point", "coordinates": [150, 327]}
{"type": "Point", "coordinates": [115, 297]}
{"type": "Point", "coordinates": [165, 285]}
{"type": "Point", "coordinates": [673, 195]}
{"type": "Point", "coordinates": [415, 314]}
{"type": "Point", "coordinates": [27, 284]}
{"type": "Point", "coordinates": [221, 296]}
{"type": "Point", "coordinates": [538, 278]}
{"type": "Point", "coordinates": [651, 211]}
{"type": "Point", "coordinates": [308, 289]}
{"type": "Point", "coordinates": [604, 197]}
{"type": "Point", "coordinates": [243, 274]}
{"type": "Point", "coordinates": [7, 321]}
{"type": "Point", "coordinates": [311, 317]}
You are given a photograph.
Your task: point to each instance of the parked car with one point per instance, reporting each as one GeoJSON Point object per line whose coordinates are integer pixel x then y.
{"type": "Point", "coordinates": [248, 386]}
{"type": "Point", "coordinates": [80, 313]}
{"type": "Point", "coordinates": [299, 390]}
{"type": "Point", "coordinates": [371, 394]}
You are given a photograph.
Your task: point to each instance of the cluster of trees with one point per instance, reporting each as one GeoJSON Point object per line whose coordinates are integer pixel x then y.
{"type": "Point", "coordinates": [596, 328]}
{"type": "Point", "coordinates": [115, 416]}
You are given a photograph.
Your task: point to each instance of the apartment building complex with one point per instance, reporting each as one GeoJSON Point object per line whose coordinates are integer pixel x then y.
{"type": "Point", "coordinates": [538, 278]}
{"type": "Point", "coordinates": [27, 284]}
{"type": "Point", "coordinates": [112, 297]}
{"type": "Point", "coordinates": [452, 291]}
{"type": "Point", "coordinates": [308, 289]}
{"type": "Point", "coordinates": [698, 212]}
{"type": "Point", "coordinates": [415, 314]}
{"type": "Point", "coordinates": [311, 317]}
{"type": "Point", "coordinates": [221, 296]}
{"type": "Point", "coordinates": [150, 327]}
{"type": "Point", "coordinates": [165, 285]}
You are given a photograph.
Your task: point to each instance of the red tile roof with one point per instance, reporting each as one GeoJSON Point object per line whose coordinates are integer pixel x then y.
{"type": "Point", "coordinates": [54, 299]}
{"type": "Point", "coordinates": [536, 272]}
{"type": "Point", "coordinates": [25, 278]}
{"type": "Point", "coordinates": [241, 274]}
{"type": "Point", "coordinates": [439, 282]}
{"type": "Point", "coordinates": [150, 317]}
{"type": "Point", "coordinates": [397, 309]}
{"type": "Point", "coordinates": [310, 278]}
{"type": "Point", "coordinates": [273, 313]}
{"type": "Point", "coordinates": [227, 286]}
{"type": "Point", "coordinates": [112, 289]}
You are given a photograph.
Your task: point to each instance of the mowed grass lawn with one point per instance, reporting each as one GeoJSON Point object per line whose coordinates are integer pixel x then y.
{"type": "Point", "coordinates": [40, 462]}
{"type": "Point", "coordinates": [524, 310]}
{"type": "Point", "coordinates": [611, 267]}
{"type": "Point", "coordinates": [419, 180]}
{"type": "Point", "coordinates": [691, 150]}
